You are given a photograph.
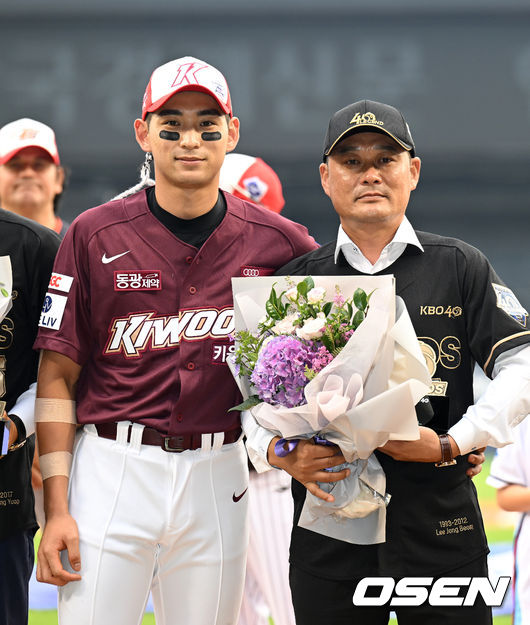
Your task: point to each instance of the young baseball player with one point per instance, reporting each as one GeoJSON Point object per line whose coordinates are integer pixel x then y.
{"type": "Point", "coordinates": [270, 505]}
{"type": "Point", "coordinates": [135, 333]}
{"type": "Point", "coordinates": [510, 474]}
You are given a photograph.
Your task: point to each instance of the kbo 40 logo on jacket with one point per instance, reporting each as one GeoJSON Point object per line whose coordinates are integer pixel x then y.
{"type": "Point", "coordinates": [138, 332]}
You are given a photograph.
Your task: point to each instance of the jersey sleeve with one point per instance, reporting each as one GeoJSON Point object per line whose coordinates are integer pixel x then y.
{"type": "Point", "coordinates": [64, 324]}
{"type": "Point", "coordinates": [498, 338]}
{"type": "Point", "coordinates": [303, 243]}
{"type": "Point", "coordinates": [495, 320]}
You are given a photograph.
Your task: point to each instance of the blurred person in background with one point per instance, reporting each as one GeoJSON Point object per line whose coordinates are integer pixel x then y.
{"type": "Point", "coordinates": [270, 503]}
{"type": "Point", "coordinates": [250, 178]}
{"type": "Point", "coordinates": [31, 176]}
{"type": "Point", "coordinates": [510, 475]}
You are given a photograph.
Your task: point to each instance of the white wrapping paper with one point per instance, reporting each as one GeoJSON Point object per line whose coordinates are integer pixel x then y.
{"type": "Point", "coordinates": [362, 399]}
{"type": "Point", "coordinates": [6, 286]}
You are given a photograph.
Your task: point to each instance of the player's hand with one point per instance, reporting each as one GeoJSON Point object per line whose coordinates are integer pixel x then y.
{"type": "Point", "coordinates": [425, 449]}
{"type": "Point", "coordinates": [476, 460]}
{"type": "Point", "coordinates": [306, 463]}
{"type": "Point", "coordinates": [60, 532]}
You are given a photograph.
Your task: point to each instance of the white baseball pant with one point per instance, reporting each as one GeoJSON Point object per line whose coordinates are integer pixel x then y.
{"type": "Point", "coordinates": [267, 590]}
{"type": "Point", "coordinates": [172, 523]}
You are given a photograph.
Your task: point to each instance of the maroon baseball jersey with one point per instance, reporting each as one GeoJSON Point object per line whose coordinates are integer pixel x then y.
{"type": "Point", "coordinates": [148, 317]}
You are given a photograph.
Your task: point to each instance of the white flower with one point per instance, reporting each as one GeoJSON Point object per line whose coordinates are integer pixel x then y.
{"type": "Point", "coordinates": [267, 340]}
{"type": "Point", "coordinates": [286, 325]}
{"type": "Point", "coordinates": [292, 294]}
{"type": "Point", "coordinates": [316, 295]}
{"type": "Point", "coordinates": [312, 328]}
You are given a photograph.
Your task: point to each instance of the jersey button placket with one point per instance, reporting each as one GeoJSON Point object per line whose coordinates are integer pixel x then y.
{"type": "Point", "coordinates": [190, 366]}
{"type": "Point", "coordinates": [192, 290]}
{"type": "Point", "coordinates": [189, 259]}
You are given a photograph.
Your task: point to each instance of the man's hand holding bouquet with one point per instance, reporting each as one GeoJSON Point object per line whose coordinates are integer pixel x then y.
{"type": "Point", "coordinates": [339, 371]}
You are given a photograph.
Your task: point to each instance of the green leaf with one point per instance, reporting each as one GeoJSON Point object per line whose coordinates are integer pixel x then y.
{"type": "Point", "coordinates": [305, 285]}
{"type": "Point", "coordinates": [309, 373]}
{"type": "Point", "coordinates": [271, 311]}
{"type": "Point", "coordinates": [5, 293]}
{"type": "Point", "coordinates": [302, 288]}
{"type": "Point", "coordinates": [326, 309]}
{"type": "Point", "coordinates": [252, 401]}
{"type": "Point", "coordinates": [310, 283]}
{"type": "Point", "coordinates": [359, 299]}
{"type": "Point", "coordinates": [358, 318]}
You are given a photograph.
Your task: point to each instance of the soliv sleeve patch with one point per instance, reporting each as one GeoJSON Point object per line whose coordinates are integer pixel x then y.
{"type": "Point", "coordinates": [52, 311]}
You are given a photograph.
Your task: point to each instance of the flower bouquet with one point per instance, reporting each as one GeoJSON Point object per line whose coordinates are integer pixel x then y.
{"type": "Point", "coordinates": [343, 369]}
{"type": "Point", "coordinates": [6, 285]}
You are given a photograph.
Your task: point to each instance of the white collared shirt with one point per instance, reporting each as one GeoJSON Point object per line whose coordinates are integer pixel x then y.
{"type": "Point", "coordinates": [404, 236]}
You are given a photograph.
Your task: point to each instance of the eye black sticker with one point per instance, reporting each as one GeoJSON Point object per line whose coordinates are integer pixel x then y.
{"type": "Point", "coordinates": [211, 136]}
{"type": "Point", "coordinates": [169, 135]}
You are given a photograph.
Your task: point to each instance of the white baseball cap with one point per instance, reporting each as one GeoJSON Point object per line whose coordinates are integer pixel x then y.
{"type": "Point", "coordinates": [250, 178]}
{"type": "Point", "coordinates": [185, 74]}
{"type": "Point", "coordinates": [26, 133]}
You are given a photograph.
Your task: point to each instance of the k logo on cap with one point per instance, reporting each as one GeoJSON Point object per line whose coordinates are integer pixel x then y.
{"type": "Point", "coordinates": [185, 74]}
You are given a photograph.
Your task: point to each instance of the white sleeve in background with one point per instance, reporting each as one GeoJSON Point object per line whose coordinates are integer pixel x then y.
{"type": "Point", "coordinates": [24, 408]}
{"type": "Point", "coordinates": [258, 440]}
{"type": "Point", "coordinates": [511, 464]}
{"type": "Point", "coordinates": [504, 404]}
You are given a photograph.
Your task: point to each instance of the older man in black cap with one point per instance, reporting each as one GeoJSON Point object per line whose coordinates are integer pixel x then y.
{"type": "Point", "coordinates": [462, 313]}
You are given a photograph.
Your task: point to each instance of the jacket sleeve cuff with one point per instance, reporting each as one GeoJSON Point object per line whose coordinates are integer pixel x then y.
{"type": "Point", "coordinates": [24, 409]}
{"type": "Point", "coordinates": [466, 436]}
{"type": "Point", "coordinates": [257, 443]}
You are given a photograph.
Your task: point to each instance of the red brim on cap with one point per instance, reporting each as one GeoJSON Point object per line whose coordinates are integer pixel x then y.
{"type": "Point", "coordinates": [7, 157]}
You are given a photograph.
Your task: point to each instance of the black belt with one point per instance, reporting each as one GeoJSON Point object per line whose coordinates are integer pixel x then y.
{"type": "Point", "coordinates": [177, 443]}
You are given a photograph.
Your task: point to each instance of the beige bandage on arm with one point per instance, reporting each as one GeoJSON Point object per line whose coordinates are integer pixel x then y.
{"type": "Point", "coordinates": [49, 409]}
{"type": "Point", "coordinates": [55, 463]}
{"type": "Point", "coordinates": [54, 410]}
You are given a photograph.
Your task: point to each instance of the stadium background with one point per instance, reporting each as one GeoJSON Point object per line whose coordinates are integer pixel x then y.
{"type": "Point", "coordinates": [459, 70]}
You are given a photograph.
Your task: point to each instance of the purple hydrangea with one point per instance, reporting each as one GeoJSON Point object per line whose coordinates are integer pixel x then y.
{"type": "Point", "coordinates": [279, 374]}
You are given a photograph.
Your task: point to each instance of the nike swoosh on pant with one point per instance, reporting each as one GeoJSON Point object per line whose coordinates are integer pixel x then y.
{"type": "Point", "coordinates": [236, 498]}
